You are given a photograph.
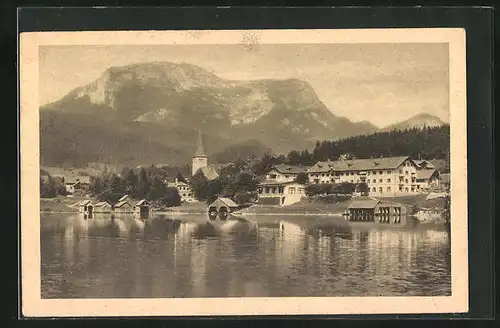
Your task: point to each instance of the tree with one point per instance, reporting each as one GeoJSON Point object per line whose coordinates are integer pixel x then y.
{"type": "Point", "coordinates": [199, 186]}
{"type": "Point", "coordinates": [362, 188]}
{"type": "Point", "coordinates": [302, 178]}
{"type": "Point", "coordinates": [344, 188]}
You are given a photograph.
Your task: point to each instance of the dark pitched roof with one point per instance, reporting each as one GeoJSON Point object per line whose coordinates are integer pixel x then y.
{"type": "Point", "coordinates": [283, 168]}
{"type": "Point", "coordinates": [276, 183]}
{"type": "Point", "coordinates": [359, 164]}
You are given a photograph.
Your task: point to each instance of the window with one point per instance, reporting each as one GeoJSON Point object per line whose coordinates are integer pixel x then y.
{"type": "Point", "coordinates": [388, 189]}
{"type": "Point", "coordinates": [406, 172]}
{"type": "Point", "coordinates": [406, 189]}
{"type": "Point", "coordinates": [272, 176]}
{"type": "Point", "coordinates": [352, 181]}
{"type": "Point", "coordinates": [374, 189]}
{"type": "Point", "coordinates": [286, 175]}
{"type": "Point", "coordinates": [300, 190]}
{"type": "Point", "coordinates": [323, 175]}
{"type": "Point", "coordinates": [418, 186]}
{"type": "Point", "coordinates": [380, 189]}
{"type": "Point", "coordinates": [292, 190]}
{"type": "Point", "coordinates": [374, 180]}
{"type": "Point", "coordinates": [412, 189]}
{"type": "Point", "coordinates": [406, 180]}
{"type": "Point", "coordinates": [341, 174]}
{"type": "Point", "coordinates": [388, 172]}
{"type": "Point", "coordinates": [380, 172]}
{"type": "Point", "coordinates": [389, 180]}
{"type": "Point", "coordinates": [380, 180]}
{"type": "Point", "coordinates": [400, 171]}
{"type": "Point", "coordinates": [368, 173]}
{"type": "Point", "coordinates": [400, 188]}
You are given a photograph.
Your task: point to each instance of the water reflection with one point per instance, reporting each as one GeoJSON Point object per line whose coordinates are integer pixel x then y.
{"type": "Point", "coordinates": [128, 256]}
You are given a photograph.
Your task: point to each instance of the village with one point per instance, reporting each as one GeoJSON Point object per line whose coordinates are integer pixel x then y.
{"type": "Point", "coordinates": [365, 189]}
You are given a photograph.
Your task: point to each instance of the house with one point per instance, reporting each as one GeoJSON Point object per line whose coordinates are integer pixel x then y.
{"type": "Point", "coordinates": [445, 181]}
{"type": "Point", "coordinates": [142, 207]}
{"type": "Point", "coordinates": [103, 207]}
{"type": "Point", "coordinates": [374, 210]}
{"type": "Point", "coordinates": [77, 187]}
{"type": "Point", "coordinates": [386, 176]}
{"type": "Point", "coordinates": [285, 173]}
{"type": "Point", "coordinates": [86, 207]}
{"type": "Point", "coordinates": [271, 192]}
{"type": "Point", "coordinates": [123, 207]}
{"type": "Point", "coordinates": [183, 188]}
{"type": "Point", "coordinates": [428, 179]}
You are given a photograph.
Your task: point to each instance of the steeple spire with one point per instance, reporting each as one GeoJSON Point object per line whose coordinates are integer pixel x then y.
{"type": "Point", "coordinates": [200, 150]}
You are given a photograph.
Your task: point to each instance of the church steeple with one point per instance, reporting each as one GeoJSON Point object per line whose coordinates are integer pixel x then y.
{"type": "Point", "coordinates": [200, 150]}
{"type": "Point", "coordinates": [200, 159]}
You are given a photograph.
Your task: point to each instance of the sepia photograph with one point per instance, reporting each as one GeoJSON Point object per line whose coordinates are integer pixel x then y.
{"type": "Point", "coordinates": [231, 172]}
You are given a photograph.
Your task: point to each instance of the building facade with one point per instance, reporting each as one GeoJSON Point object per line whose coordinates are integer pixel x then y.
{"type": "Point", "coordinates": [389, 176]}
{"type": "Point", "coordinates": [285, 173]}
{"type": "Point", "coordinates": [280, 193]}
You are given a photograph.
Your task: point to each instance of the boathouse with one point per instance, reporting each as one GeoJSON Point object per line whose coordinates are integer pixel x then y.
{"type": "Point", "coordinates": [86, 207]}
{"type": "Point", "coordinates": [103, 207]}
{"type": "Point", "coordinates": [374, 210]}
{"type": "Point", "coordinates": [222, 207]}
{"type": "Point", "coordinates": [142, 207]}
{"type": "Point", "coordinates": [123, 207]}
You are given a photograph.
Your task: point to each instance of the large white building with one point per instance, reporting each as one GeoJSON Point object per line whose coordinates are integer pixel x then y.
{"type": "Point", "coordinates": [388, 176]}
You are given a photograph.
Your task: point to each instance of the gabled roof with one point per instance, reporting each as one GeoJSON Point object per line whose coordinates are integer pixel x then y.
{"type": "Point", "coordinates": [228, 201]}
{"type": "Point", "coordinates": [283, 168]}
{"type": "Point", "coordinates": [85, 202]}
{"type": "Point", "coordinates": [123, 198]}
{"type": "Point", "coordinates": [383, 163]}
{"type": "Point", "coordinates": [424, 163]}
{"type": "Point", "coordinates": [209, 172]}
{"type": "Point", "coordinates": [142, 202]}
{"type": "Point", "coordinates": [426, 173]}
{"type": "Point", "coordinates": [120, 204]}
{"type": "Point", "coordinates": [366, 203]}
{"type": "Point", "coordinates": [101, 204]}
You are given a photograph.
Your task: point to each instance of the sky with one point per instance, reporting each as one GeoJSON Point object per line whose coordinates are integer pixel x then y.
{"type": "Point", "coordinates": [379, 83]}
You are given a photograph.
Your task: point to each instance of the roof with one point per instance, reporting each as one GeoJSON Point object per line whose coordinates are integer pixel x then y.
{"type": "Point", "coordinates": [209, 172]}
{"type": "Point", "coordinates": [123, 198]}
{"type": "Point", "coordinates": [276, 183]}
{"type": "Point", "coordinates": [425, 173]}
{"type": "Point", "coordinates": [366, 203]}
{"type": "Point", "coordinates": [100, 204]}
{"type": "Point", "coordinates": [142, 201]}
{"type": "Point", "coordinates": [428, 164]}
{"type": "Point", "coordinates": [84, 202]}
{"type": "Point", "coordinates": [228, 201]}
{"type": "Point", "coordinates": [200, 150]}
{"type": "Point", "coordinates": [120, 204]}
{"type": "Point", "coordinates": [359, 164]}
{"type": "Point", "coordinates": [283, 168]}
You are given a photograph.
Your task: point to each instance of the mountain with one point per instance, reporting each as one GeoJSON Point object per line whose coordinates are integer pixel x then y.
{"type": "Point", "coordinates": [151, 111]}
{"type": "Point", "coordinates": [417, 121]}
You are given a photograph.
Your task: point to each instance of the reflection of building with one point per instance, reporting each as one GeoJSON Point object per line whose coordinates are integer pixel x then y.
{"type": "Point", "coordinates": [280, 193]}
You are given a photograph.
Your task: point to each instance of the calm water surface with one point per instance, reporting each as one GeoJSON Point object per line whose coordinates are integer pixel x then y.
{"type": "Point", "coordinates": [126, 257]}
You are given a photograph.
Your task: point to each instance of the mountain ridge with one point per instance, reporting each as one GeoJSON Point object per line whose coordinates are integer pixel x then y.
{"type": "Point", "coordinates": [157, 107]}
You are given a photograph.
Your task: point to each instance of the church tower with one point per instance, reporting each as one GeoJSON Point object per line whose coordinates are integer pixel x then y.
{"type": "Point", "coordinates": [200, 159]}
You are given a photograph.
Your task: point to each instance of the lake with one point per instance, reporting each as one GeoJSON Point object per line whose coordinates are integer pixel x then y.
{"type": "Point", "coordinates": [184, 256]}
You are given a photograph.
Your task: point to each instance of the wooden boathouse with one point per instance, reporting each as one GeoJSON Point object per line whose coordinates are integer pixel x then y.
{"type": "Point", "coordinates": [374, 210]}
{"type": "Point", "coordinates": [123, 207]}
{"type": "Point", "coordinates": [103, 207]}
{"type": "Point", "coordinates": [221, 208]}
{"type": "Point", "coordinates": [142, 207]}
{"type": "Point", "coordinates": [86, 207]}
